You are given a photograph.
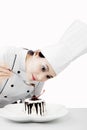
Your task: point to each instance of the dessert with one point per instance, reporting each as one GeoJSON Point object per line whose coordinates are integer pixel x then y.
{"type": "Point", "coordinates": [34, 106]}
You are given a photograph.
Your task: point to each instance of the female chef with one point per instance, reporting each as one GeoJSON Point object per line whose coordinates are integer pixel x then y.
{"type": "Point", "coordinates": [21, 69]}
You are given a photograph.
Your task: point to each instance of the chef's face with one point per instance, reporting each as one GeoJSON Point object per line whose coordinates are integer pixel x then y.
{"type": "Point", "coordinates": [38, 68]}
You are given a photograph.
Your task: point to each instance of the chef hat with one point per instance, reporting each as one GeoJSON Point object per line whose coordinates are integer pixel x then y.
{"type": "Point", "coordinates": [71, 45]}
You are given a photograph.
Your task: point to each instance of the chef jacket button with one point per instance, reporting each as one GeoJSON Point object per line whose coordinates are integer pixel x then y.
{"type": "Point", "coordinates": [18, 72]}
{"type": "Point", "coordinates": [28, 91]}
{"type": "Point", "coordinates": [12, 85]}
{"type": "Point", "coordinates": [5, 96]}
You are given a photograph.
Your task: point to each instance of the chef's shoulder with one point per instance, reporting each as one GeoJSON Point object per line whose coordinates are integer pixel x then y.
{"type": "Point", "coordinates": [7, 53]}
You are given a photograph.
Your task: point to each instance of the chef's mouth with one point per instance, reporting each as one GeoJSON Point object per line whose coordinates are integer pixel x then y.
{"type": "Point", "coordinates": [33, 77]}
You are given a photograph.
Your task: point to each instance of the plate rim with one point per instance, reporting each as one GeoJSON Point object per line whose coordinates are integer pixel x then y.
{"type": "Point", "coordinates": [31, 118]}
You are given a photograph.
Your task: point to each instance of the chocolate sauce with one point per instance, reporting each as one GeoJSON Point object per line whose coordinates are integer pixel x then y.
{"type": "Point", "coordinates": [26, 105]}
{"type": "Point", "coordinates": [43, 103]}
{"type": "Point", "coordinates": [36, 107]}
{"type": "Point", "coordinates": [31, 105]}
{"type": "Point", "coordinates": [34, 98]}
{"type": "Point", "coordinates": [39, 107]}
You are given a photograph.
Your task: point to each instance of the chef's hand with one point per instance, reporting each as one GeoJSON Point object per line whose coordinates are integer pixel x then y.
{"type": "Point", "coordinates": [5, 73]}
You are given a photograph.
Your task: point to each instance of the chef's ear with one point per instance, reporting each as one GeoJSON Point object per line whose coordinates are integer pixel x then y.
{"type": "Point", "coordinates": [36, 53]}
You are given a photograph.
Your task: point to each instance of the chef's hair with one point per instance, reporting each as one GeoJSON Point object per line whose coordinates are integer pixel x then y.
{"type": "Point", "coordinates": [30, 52]}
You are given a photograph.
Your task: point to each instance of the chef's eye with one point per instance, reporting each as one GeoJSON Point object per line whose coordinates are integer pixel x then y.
{"type": "Point", "coordinates": [48, 76]}
{"type": "Point", "coordinates": [43, 68]}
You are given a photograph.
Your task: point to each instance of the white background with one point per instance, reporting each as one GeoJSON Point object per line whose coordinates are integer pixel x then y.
{"type": "Point", "coordinates": [36, 23]}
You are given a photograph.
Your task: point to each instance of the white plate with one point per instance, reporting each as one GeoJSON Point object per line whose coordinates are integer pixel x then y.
{"type": "Point", "coordinates": [15, 112]}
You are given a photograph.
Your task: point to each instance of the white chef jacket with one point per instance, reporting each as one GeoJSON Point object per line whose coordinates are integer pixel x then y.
{"type": "Point", "coordinates": [15, 87]}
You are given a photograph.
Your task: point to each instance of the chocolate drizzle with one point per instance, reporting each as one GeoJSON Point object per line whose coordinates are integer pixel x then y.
{"type": "Point", "coordinates": [31, 105]}
{"type": "Point", "coordinates": [43, 103]}
{"type": "Point", "coordinates": [26, 105]}
{"type": "Point", "coordinates": [39, 107]}
{"type": "Point", "coordinates": [36, 107]}
{"type": "Point", "coordinates": [34, 98]}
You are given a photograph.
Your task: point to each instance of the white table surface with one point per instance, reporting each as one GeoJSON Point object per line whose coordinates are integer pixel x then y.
{"type": "Point", "coordinates": [76, 119]}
